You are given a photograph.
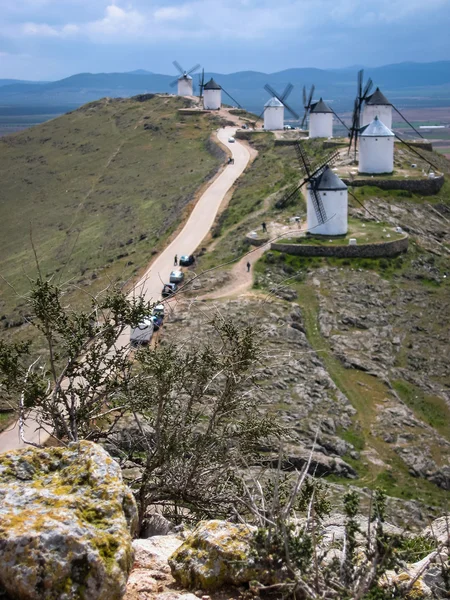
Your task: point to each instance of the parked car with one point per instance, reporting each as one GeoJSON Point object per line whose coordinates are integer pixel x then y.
{"type": "Point", "coordinates": [176, 277]}
{"type": "Point", "coordinates": [157, 322]}
{"type": "Point", "coordinates": [186, 261]}
{"type": "Point", "coordinates": [142, 334]}
{"type": "Point", "coordinates": [158, 310]}
{"type": "Point", "coordinates": [169, 289]}
{"type": "Point", "coordinates": [231, 140]}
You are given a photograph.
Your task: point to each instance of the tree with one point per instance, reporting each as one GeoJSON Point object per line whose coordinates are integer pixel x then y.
{"type": "Point", "coordinates": [205, 422]}
{"type": "Point", "coordinates": [84, 374]}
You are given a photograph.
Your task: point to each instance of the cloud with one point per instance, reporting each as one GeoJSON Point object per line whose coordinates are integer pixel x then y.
{"type": "Point", "coordinates": [172, 13]}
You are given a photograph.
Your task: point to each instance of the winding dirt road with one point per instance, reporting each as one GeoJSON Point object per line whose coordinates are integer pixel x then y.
{"type": "Point", "coordinates": [150, 285]}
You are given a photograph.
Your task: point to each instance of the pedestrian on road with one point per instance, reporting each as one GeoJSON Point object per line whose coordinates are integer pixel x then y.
{"type": "Point", "coordinates": [248, 267]}
{"type": "Point", "coordinates": [264, 227]}
{"type": "Point", "coordinates": [175, 260]}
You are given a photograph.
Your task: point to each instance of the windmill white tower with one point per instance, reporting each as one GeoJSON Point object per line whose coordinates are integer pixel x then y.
{"type": "Point", "coordinates": [273, 115]}
{"type": "Point", "coordinates": [376, 148]}
{"type": "Point", "coordinates": [331, 192]}
{"type": "Point", "coordinates": [377, 105]}
{"type": "Point", "coordinates": [184, 82]}
{"type": "Point", "coordinates": [320, 120]}
{"type": "Point", "coordinates": [274, 108]}
{"type": "Point", "coordinates": [212, 95]}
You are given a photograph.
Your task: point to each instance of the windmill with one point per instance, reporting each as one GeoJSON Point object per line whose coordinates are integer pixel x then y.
{"type": "Point", "coordinates": [185, 81]}
{"type": "Point", "coordinates": [327, 195]}
{"type": "Point", "coordinates": [274, 108]}
{"type": "Point", "coordinates": [320, 116]}
{"type": "Point", "coordinates": [362, 93]}
{"type": "Point", "coordinates": [212, 95]}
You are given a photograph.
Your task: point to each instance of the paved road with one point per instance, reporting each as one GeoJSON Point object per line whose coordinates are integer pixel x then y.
{"type": "Point", "coordinates": [196, 228]}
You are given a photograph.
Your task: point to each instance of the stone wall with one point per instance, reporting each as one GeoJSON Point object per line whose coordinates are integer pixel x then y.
{"type": "Point", "coordinates": [378, 250]}
{"type": "Point", "coordinates": [425, 187]}
{"type": "Point", "coordinates": [256, 241]}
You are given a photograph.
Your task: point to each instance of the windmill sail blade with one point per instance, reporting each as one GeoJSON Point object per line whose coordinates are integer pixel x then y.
{"type": "Point", "coordinates": [406, 121]}
{"type": "Point", "coordinates": [367, 88]}
{"type": "Point", "coordinates": [304, 96]}
{"type": "Point", "coordinates": [355, 119]}
{"type": "Point", "coordinates": [230, 96]}
{"type": "Point", "coordinates": [287, 92]}
{"type": "Point", "coordinates": [197, 66]}
{"type": "Point", "coordinates": [303, 158]}
{"type": "Point", "coordinates": [173, 83]}
{"type": "Point", "coordinates": [304, 118]}
{"type": "Point", "coordinates": [271, 91]}
{"type": "Point", "coordinates": [318, 204]}
{"type": "Point", "coordinates": [311, 94]}
{"type": "Point", "coordinates": [415, 152]}
{"type": "Point", "coordinates": [291, 110]}
{"type": "Point", "coordinates": [289, 197]}
{"type": "Point", "coordinates": [339, 119]}
{"type": "Point", "coordinates": [178, 67]}
{"type": "Point", "coordinates": [359, 83]}
{"type": "Point", "coordinates": [326, 163]}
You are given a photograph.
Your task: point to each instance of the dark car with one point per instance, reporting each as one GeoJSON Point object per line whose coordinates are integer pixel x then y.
{"type": "Point", "coordinates": [169, 289]}
{"type": "Point", "coordinates": [187, 261]}
{"type": "Point", "coordinates": [157, 322]}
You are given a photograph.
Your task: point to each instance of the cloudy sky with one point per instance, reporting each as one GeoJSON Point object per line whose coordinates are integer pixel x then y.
{"type": "Point", "coordinates": [50, 39]}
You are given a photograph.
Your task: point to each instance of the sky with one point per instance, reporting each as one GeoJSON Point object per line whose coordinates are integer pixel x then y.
{"type": "Point", "coordinates": [52, 39]}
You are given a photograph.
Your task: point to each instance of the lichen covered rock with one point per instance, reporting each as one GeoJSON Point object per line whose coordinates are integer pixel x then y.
{"type": "Point", "coordinates": [217, 553]}
{"type": "Point", "coordinates": [66, 520]}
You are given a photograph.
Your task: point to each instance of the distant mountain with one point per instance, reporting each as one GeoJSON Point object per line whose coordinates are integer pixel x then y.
{"type": "Point", "coordinates": [406, 84]}
{"type": "Point", "coordinates": [20, 81]}
{"type": "Point", "coordinates": [141, 72]}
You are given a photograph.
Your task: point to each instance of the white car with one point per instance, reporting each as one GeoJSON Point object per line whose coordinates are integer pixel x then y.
{"type": "Point", "coordinates": [142, 334]}
{"type": "Point", "coordinates": [231, 140]}
{"type": "Point", "coordinates": [176, 277]}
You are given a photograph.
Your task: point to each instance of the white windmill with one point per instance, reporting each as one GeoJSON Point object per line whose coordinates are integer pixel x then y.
{"type": "Point", "coordinates": [376, 148]}
{"type": "Point", "coordinates": [320, 116]}
{"type": "Point", "coordinates": [184, 82]}
{"type": "Point", "coordinates": [327, 198]}
{"type": "Point", "coordinates": [212, 95]}
{"type": "Point", "coordinates": [320, 120]}
{"type": "Point", "coordinates": [274, 108]}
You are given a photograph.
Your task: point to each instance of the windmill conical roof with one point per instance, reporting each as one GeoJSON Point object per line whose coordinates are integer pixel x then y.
{"type": "Point", "coordinates": [212, 85]}
{"type": "Point", "coordinates": [273, 102]}
{"type": "Point", "coordinates": [376, 129]}
{"type": "Point", "coordinates": [378, 98]}
{"type": "Point", "coordinates": [329, 181]}
{"type": "Point", "coordinates": [320, 107]}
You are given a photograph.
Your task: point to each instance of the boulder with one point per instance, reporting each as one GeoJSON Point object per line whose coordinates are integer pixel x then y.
{"type": "Point", "coordinates": [216, 554]}
{"type": "Point", "coordinates": [439, 530]}
{"type": "Point", "coordinates": [66, 521]}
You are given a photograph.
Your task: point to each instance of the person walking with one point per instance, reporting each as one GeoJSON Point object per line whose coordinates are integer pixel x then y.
{"type": "Point", "coordinates": [248, 267]}
{"type": "Point", "coordinates": [264, 227]}
{"type": "Point", "coordinates": [175, 260]}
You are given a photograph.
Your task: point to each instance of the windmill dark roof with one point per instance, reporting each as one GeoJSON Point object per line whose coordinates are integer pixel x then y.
{"type": "Point", "coordinates": [378, 98]}
{"type": "Point", "coordinates": [212, 85]}
{"type": "Point", "coordinates": [329, 181]}
{"type": "Point", "coordinates": [320, 107]}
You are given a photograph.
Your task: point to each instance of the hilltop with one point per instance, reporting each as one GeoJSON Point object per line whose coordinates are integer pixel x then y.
{"type": "Point", "coordinates": [357, 350]}
{"type": "Point", "coordinates": [97, 191]}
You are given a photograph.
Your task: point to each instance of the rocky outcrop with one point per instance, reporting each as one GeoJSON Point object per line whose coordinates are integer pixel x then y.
{"type": "Point", "coordinates": [66, 521]}
{"type": "Point", "coordinates": [215, 555]}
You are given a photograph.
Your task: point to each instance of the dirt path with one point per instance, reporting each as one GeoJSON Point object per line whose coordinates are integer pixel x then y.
{"type": "Point", "coordinates": [242, 279]}
{"type": "Point", "coordinates": [190, 237]}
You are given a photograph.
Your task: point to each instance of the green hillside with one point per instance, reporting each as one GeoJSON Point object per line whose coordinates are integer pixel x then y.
{"type": "Point", "coordinates": [103, 187]}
